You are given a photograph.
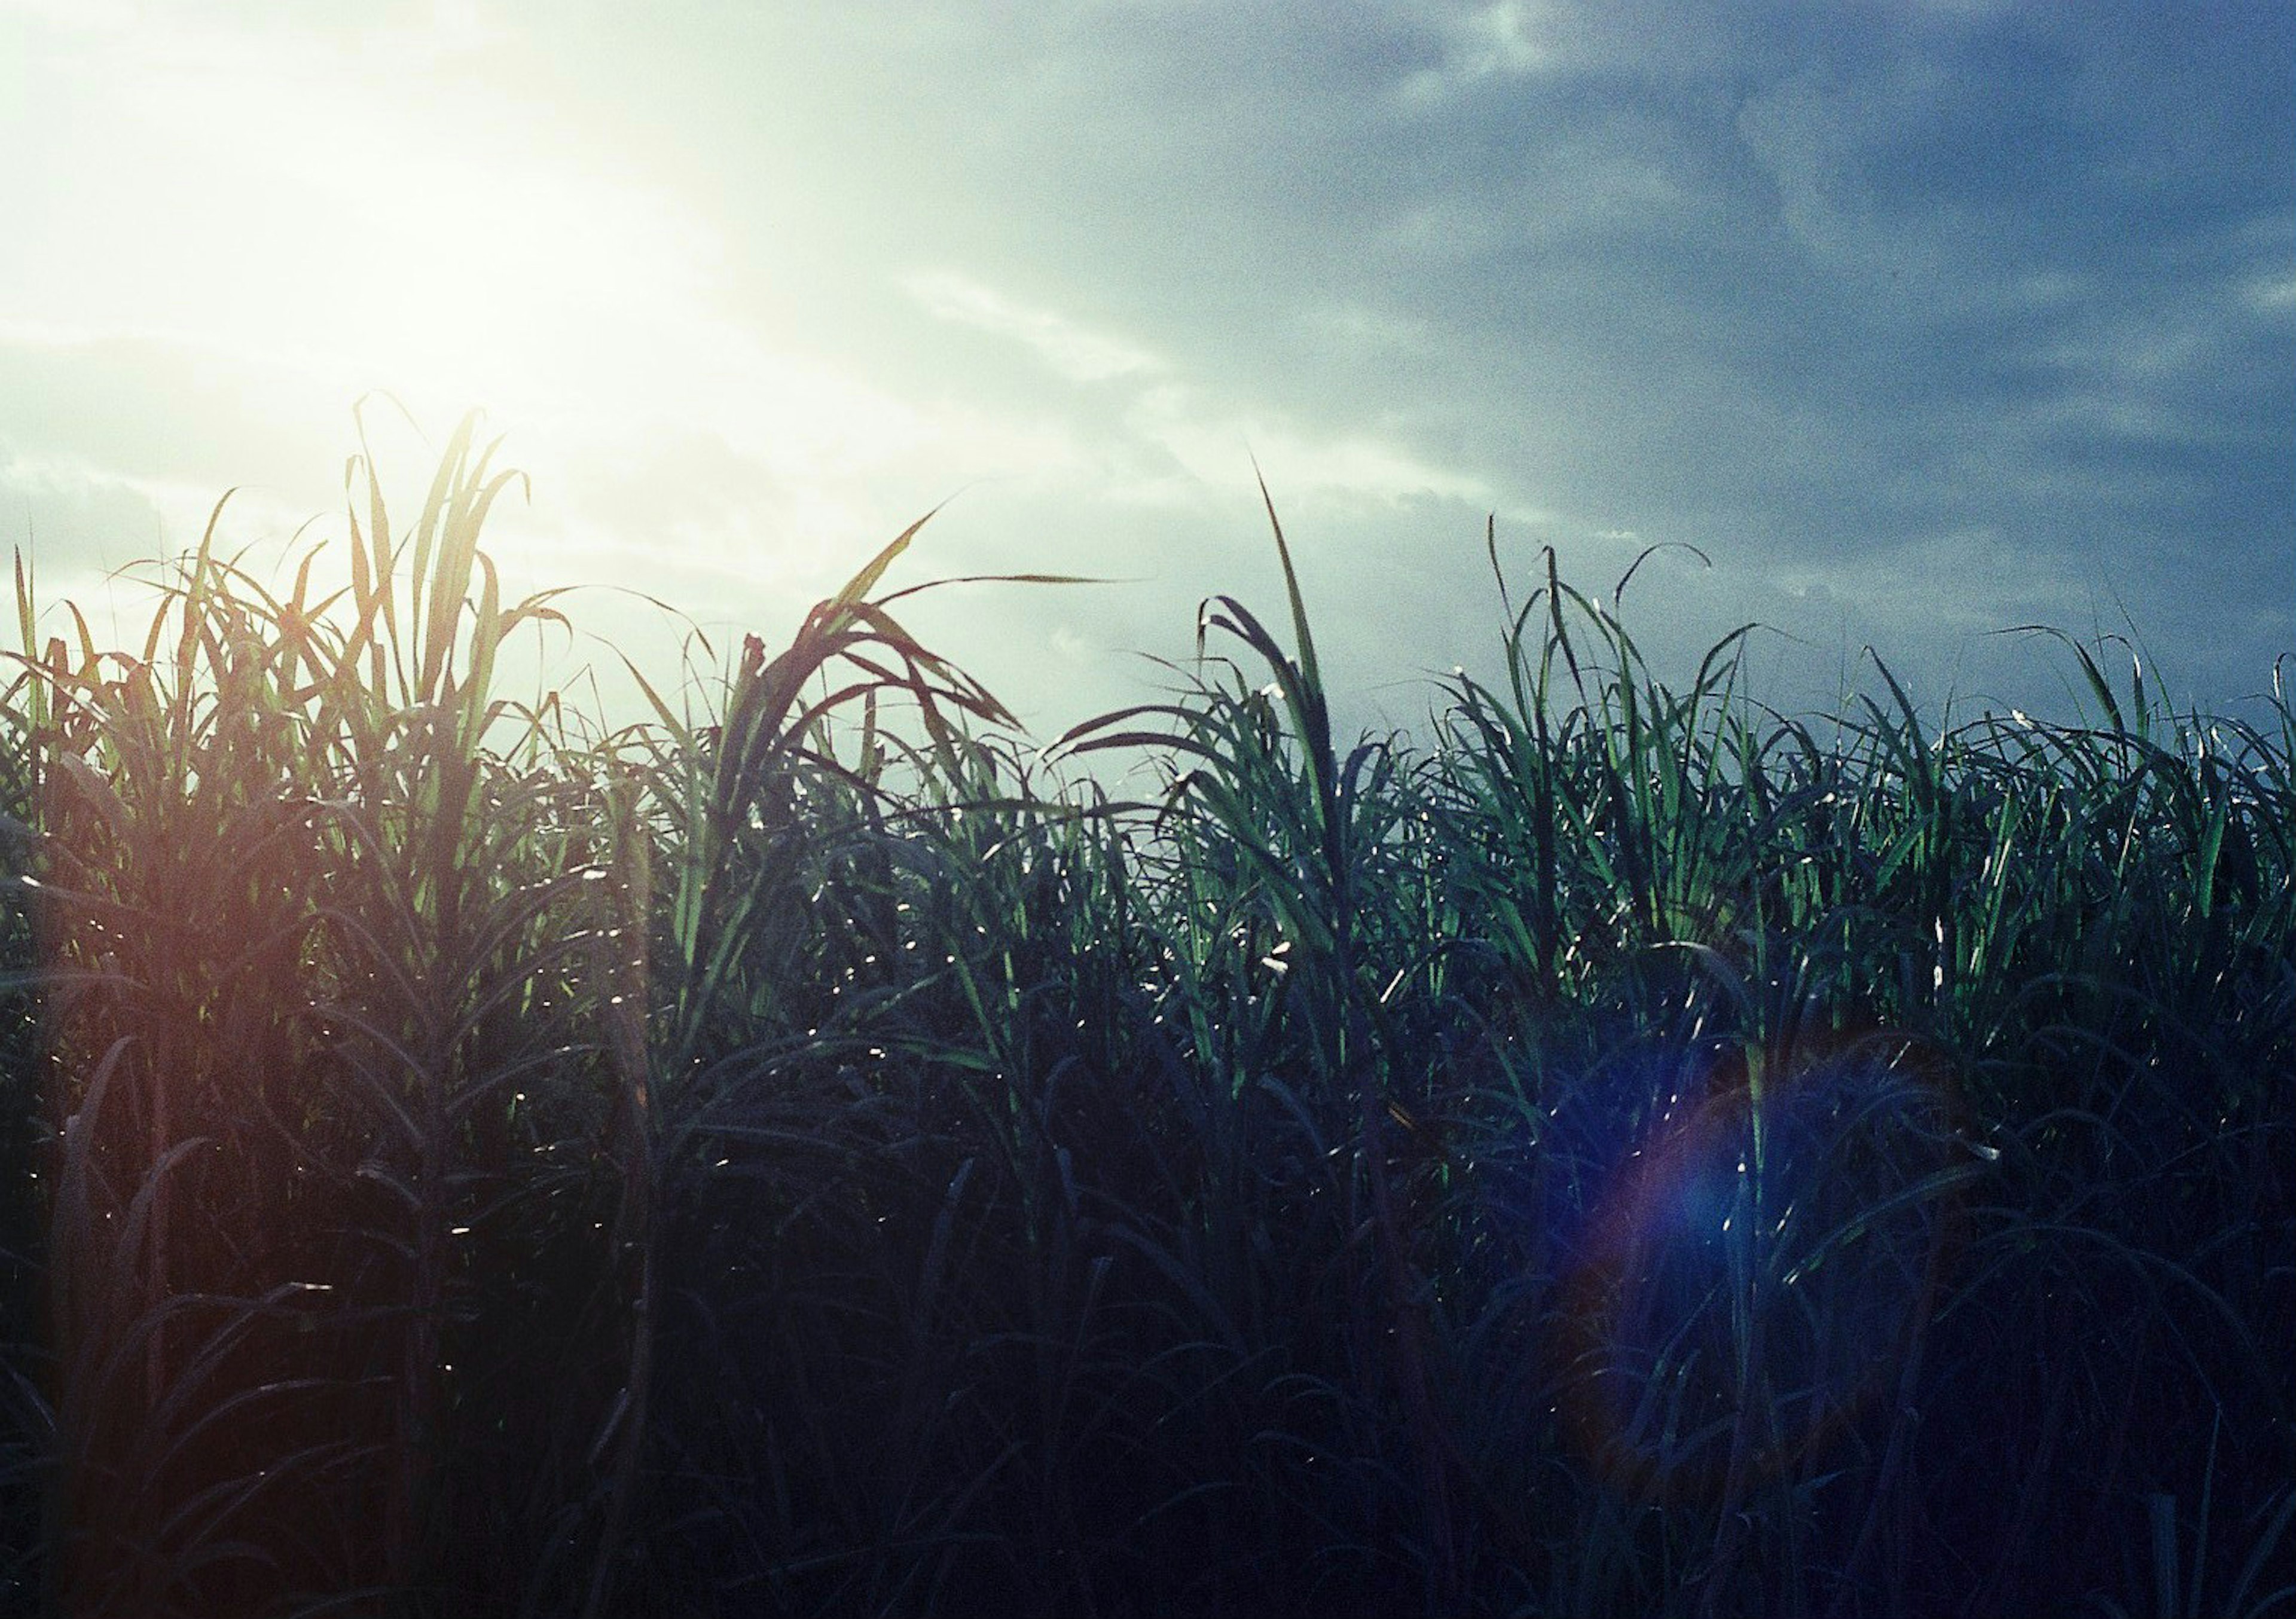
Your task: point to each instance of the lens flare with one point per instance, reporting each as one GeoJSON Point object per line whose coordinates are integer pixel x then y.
{"type": "Point", "coordinates": [1754, 1273]}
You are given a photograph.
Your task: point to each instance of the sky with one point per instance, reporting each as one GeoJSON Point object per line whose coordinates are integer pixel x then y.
{"type": "Point", "coordinates": [1892, 325]}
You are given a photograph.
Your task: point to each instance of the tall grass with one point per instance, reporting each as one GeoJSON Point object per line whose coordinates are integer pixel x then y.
{"type": "Point", "coordinates": [811, 1152]}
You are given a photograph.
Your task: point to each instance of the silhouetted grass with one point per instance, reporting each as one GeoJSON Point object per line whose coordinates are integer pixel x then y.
{"type": "Point", "coordinates": [809, 1152]}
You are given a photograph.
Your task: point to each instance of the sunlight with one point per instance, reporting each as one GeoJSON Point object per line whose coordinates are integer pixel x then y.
{"type": "Point", "coordinates": [297, 219]}
{"type": "Point", "coordinates": [440, 244]}
{"type": "Point", "coordinates": [391, 208]}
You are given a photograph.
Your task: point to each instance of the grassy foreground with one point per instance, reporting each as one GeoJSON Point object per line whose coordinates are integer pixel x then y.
{"type": "Point", "coordinates": [1634, 1154]}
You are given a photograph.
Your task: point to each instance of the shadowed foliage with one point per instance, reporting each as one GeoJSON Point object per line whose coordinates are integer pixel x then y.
{"type": "Point", "coordinates": [809, 1151]}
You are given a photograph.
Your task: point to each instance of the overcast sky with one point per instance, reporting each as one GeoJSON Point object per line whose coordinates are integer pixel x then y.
{"type": "Point", "coordinates": [1918, 320]}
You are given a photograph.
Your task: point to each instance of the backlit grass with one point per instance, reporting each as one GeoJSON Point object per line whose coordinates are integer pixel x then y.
{"type": "Point", "coordinates": [813, 1152]}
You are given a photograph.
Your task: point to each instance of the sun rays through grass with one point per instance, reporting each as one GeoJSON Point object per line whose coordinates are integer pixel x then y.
{"type": "Point", "coordinates": [811, 1151]}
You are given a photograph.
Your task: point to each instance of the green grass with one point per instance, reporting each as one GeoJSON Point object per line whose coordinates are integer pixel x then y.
{"type": "Point", "coordinates": [814, 1152]}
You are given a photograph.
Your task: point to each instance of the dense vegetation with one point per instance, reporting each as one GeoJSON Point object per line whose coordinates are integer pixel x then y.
{"type": "Point", "coordinates": [1631, 1153]}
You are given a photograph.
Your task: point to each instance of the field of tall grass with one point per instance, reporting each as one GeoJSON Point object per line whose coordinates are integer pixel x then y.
{"type": "Point", "coordinates": [816, 1152]}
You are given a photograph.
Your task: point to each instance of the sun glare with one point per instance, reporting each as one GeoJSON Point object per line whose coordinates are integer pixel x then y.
{"type": "Point", "coordinates": [458, 253]}
{"type": "Point", "coordinates": [292, 219]}
{"type": "Point", "coordinates": [364, 208]}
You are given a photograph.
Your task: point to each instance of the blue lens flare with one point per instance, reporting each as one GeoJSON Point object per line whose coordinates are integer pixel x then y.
{"type": "Point", "coordinates": [1751, 1273]}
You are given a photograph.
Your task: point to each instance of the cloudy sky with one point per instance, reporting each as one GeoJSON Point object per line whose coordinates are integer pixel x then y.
{"type": "Point", "coordinates": [1918, 320]}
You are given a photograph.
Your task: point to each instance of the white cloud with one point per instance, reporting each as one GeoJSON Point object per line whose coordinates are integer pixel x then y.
{"type": "Point", "coordinates": [1506, 39]}
{"type": "Point", "coordinates": [1363, 326]}
{"type": "Point", "coordinates": [2271, 294]}
{"type": "Point", "coordinates": [1175, 424]}
{"type": "Point", "coordinates": [1298, 462]}
{"type": "Point", "coordinates": [1070, 349]}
